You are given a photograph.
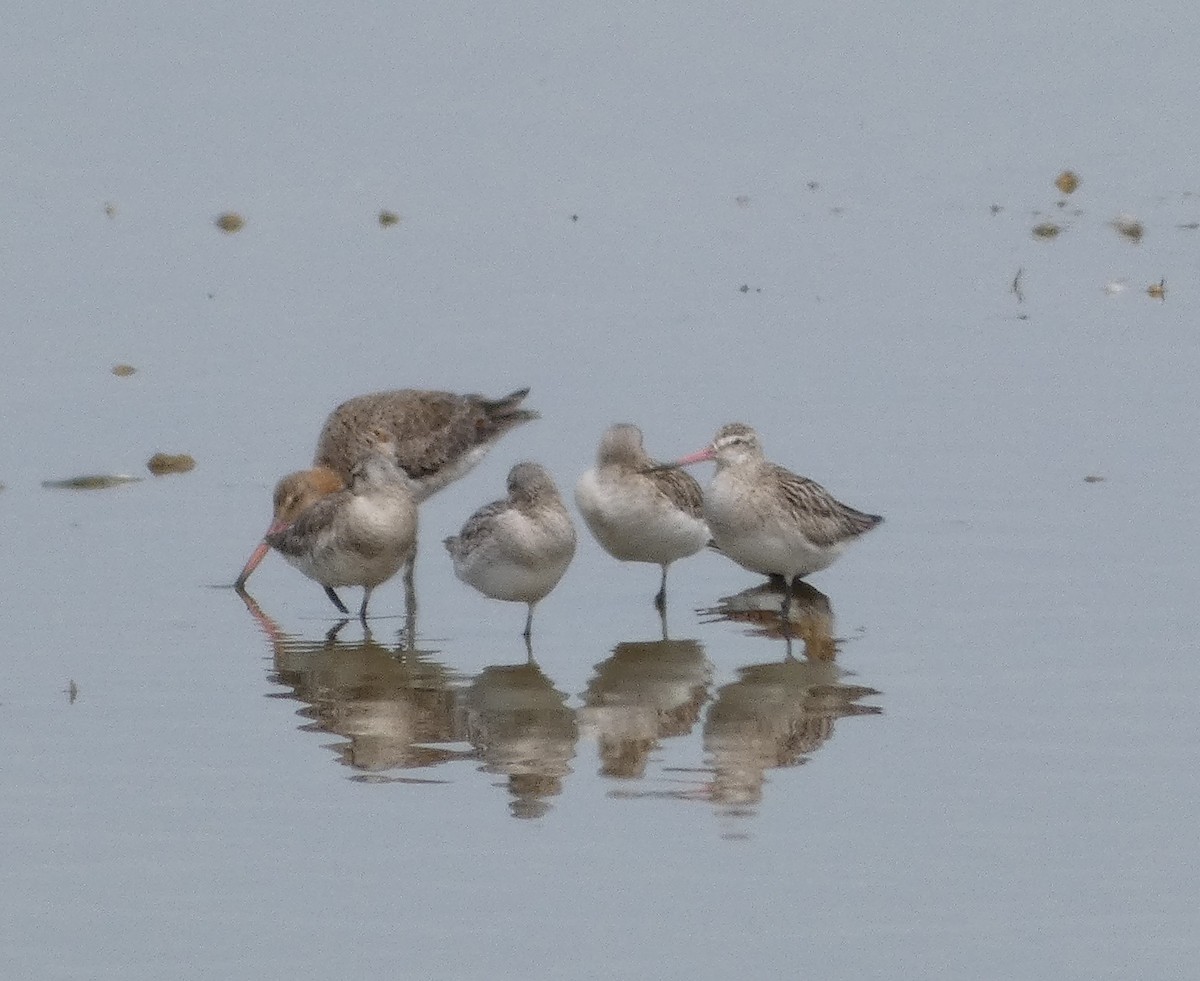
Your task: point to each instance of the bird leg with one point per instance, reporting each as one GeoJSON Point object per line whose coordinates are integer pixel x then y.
{"type": "Point", "coordinates": [362, 610]}
{"type": "Point", "coordinates": [333, 598]}
{"type": "Point", "coordinates": [660, 600]}
{"type": "Point", "coordinates": [528, 625]}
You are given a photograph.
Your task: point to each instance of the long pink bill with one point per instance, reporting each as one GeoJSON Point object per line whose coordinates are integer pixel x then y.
{"type": "Point", "coordinates": [257, 555]}
{"type": "Point", "coordinates": [701, 456]}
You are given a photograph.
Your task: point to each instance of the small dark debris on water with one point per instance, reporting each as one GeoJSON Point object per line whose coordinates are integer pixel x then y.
{"type": "Point", "coordinates": [388, 218]}
{"type": "Point", "coordinates": [123, 370]}
{"type": "Point", "coordinates": [1157, 290]}
{"type": "Point", "coordinates": [93, 481]}
{"type": "Point", "coordinates": [742, 200]}
{"type": "Point", "coordinates": [747, 288]}
{"type": "Point", "coordinates": [230, 222]}
{"type": "Point", "coordinates": [813, 185]}
{"type": "Point", "coordinates": [1046, 229]}
{"type": "Point", "coordinates": [1016, 285]}
{"type": "Point", "coordinates": [164, 463]}
{"type": "Point", "coordinates": [574, 217]}
{"type": "Point", "coordinates": [110, 209]}
{"type": "Point", "coordinates": [72, 691]}
{"type": "Point", "coordinates": [1129, 226]}
{"type": "Point", "coordinates": [1093, 478]}
{"type": "Point", "coordinates": [997, 208]}
{"type": "Point", "coordinates": [1190, 226]}
{"type": "Point", "coordinates": [1067, 181]}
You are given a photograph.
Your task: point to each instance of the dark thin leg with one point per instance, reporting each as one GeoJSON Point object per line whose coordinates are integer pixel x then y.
{"type": "Point", "coordinates": [362, 610]}
{"type": "Point", "coordinates": [333, 598]}
{"type": "Point", "coordinates": [660, 601]}
{"type": "Point", "coordinates": [528, 624]}
{"type": "Point", "coordinates": [409, 571]}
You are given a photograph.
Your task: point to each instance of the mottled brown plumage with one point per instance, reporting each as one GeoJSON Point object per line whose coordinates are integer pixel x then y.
{"type": "Point", "coordinates": [438, 436]}
{"type": "Point", "coordinates": [825, 520]}
{"type": "Point", "coordinates": [768, 519]}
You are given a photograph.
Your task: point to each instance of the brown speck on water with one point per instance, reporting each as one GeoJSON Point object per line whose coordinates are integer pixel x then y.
{"type": "Point", "coordinates": [1093, 478]}
{"type": "Point", "coordinates": [110, 209]}
{"type": "Point", "coordinates": [230, 222]}
{"type": "Point", "coordinates": [164, 463]}
{"type": "Point", "coordinates": [388, 218]}
{"type": "Point", "coordinates": [1129, 226]}
{"type": "Point", "coordinates": [1046, 229]}
{"type": "Point", "coordinates": [1067, 181]}
{"type": "Point", "coordinates": [123, 370]}
{"type": "Point", "coordinates": [1157, 290]}
{"type": "Point", "coordinates": [95, 481]}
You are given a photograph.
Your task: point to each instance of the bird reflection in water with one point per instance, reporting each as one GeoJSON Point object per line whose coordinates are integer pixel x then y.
{"type": "Point", "coordinates": [645, 692]}
{"type": "Point", "coordinates": [393, 706]}
{"type": "Point", "coordinates": [522, 728]}
{"type": "Point", "coordinates": [779, 713]}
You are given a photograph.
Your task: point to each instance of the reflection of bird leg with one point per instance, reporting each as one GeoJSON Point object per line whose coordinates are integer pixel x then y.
{"type": "Point", "coordinates": [662, 615]}
{"type": "Point", "coordinates": [410, 589]}
{"type": "Point", "coordinates": [788, 585]}
{"type": "Point", "coordinates": [332, 632]}
{"type": "Point", "coordinates": [333, 598]}
{"type": "Point", "coordinates": [529, 644]}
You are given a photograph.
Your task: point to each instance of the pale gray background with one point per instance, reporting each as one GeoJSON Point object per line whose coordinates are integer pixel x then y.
{"type": "Point", "coordinates": [1025, 806]}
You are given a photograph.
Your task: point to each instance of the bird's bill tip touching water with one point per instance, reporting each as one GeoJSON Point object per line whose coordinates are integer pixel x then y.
{"type": "Point", "coordinates": [259, 553]}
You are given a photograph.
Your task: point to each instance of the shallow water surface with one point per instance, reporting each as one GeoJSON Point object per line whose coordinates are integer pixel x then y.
{"type": "Point", "coordinates": [975, 758]}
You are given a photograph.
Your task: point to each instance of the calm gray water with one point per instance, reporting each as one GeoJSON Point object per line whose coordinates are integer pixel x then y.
{"type": "Point", "coordinates": [805, 219]}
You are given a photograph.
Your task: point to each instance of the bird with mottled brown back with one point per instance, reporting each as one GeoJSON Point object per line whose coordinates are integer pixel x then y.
{"type": "Point", "coordinates": [439, 436]}
{"type": "Point", "coordinates": [768, 519]}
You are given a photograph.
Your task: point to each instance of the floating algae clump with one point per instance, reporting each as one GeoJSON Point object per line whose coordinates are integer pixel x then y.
{"type": "Point", "coordinates": [230, 222]}
{"type": "Point", "coordinates": [163, 463]}
{"type": "Point", "coordinates": [1067, 181]}
{"type": "Point", "coordinates": [92, 481]}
